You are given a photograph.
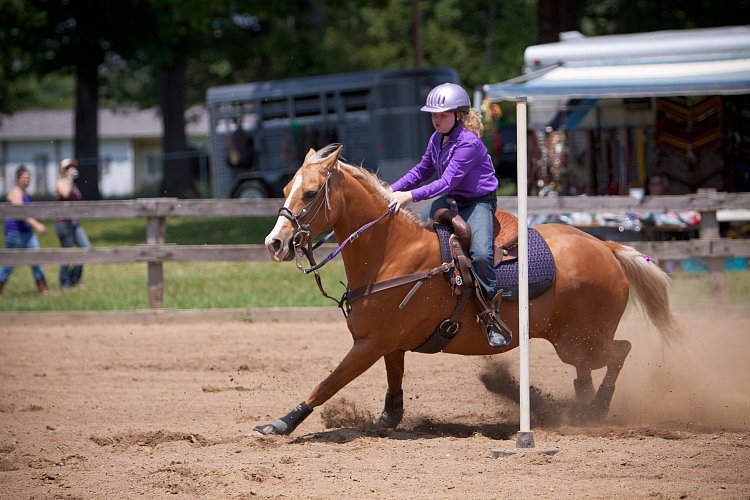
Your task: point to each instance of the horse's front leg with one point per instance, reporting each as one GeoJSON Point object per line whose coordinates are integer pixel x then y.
{"type": "Point", "coordinates": [363, 354]}
{"type": "Point", "coordinates": [393, 410]}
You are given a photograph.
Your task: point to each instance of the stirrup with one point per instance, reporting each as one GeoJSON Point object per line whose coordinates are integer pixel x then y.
{"type": "Point", "coordinates": [490, 319]}
{"type": "Point", "coordinates": [496, 338]}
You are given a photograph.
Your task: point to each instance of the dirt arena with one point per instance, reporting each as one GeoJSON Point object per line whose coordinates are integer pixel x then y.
{"type": "Point", "coordinates": [161, 405]}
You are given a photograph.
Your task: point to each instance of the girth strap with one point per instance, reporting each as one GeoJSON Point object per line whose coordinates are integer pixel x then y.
{"type": "Point", "coordinates": [449, 328]}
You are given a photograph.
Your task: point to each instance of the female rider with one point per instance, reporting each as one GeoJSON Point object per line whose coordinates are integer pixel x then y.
{"type": "Point", "coordinates": [463, 171]}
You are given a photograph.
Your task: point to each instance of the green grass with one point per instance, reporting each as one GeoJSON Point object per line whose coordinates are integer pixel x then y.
{"type": "Point", "coordinates": [252, 284]}
{"type": "Point", "coordinates": [184, 231]}
{"type": "Point", "coordinates": [186, 285]}
{"type": "Point", "coordinates": [229, 285]}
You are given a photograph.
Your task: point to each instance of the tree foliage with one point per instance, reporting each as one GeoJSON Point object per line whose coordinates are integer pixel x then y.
{"type": "Point", "coordinates": [168, 52]}
{"type": "Point", "coordinates": [231, 41]}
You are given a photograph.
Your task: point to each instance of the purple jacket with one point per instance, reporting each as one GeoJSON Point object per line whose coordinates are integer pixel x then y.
{"type": "Point", "coordinates": [462, 165]}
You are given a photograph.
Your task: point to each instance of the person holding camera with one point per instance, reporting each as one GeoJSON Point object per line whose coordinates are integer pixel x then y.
{"type": "Point", "coordinates": [69, 231]}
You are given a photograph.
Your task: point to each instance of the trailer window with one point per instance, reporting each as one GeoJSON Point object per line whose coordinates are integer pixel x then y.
{"type": "Point", "coordinates": [355, 100]}
{"type": "Point", "coordinates": [274, 108]}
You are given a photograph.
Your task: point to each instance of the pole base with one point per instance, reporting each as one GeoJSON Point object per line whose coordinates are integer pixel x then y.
{"type": "Point", "coordinates": [525, 440]}
{"type": "Point", "coordinates": [510, 453]}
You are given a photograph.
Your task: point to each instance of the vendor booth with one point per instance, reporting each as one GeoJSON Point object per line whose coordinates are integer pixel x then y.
{"type": "Point", "coordinates": [609, 112]}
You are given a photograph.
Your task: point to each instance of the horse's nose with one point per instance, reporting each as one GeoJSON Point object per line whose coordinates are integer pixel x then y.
{"type": "Point", "coordinates": [273, 246]}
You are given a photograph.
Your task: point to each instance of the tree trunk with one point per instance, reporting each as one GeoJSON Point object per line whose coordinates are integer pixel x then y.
{"type": "Point", "coordinates": [87, 127]}
{"type": "Point", "coordinates": [177, 180]}
{"type": "Point", "coordinates": [556, 16]}
{"type": "Point", "coordinates": [489, 41]}
{"type": "Point", "coordinates": [416, 13]}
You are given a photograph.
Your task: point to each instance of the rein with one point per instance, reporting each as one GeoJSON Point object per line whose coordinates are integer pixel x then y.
{"type": "Point", "coordinates": [303, 246]}
{"type": "Point", "coordinates": [302, 240]}
{"type": "Point", "coordinates": [352, 237]}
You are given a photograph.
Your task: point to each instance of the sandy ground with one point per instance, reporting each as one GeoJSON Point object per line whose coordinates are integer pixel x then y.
{"type": "Point", "coordinates": [92, 407]}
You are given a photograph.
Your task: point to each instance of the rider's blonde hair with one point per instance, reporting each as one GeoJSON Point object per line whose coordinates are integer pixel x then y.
{"type": "Point", "coordinates": [472, 120]}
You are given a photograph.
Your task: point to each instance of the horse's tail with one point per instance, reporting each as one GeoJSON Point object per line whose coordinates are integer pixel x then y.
{"type": "Point", "coordinates": [650, 286]}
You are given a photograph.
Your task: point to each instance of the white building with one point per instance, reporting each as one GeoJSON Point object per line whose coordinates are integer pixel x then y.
{"type": "Point", "coordinates": [129, 147]}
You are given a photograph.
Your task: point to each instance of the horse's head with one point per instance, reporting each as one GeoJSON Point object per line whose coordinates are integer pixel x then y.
{"type": "Point", "coordinates": [307, 209]}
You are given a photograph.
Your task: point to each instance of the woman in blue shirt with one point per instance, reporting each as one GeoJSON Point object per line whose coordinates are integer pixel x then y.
{"type": "Point", "coordinates": [463, 171]}
{"type": "Point", "coordinates": [19, 233]}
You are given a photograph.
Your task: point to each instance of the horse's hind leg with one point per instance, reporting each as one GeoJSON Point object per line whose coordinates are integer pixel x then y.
{"type": "Point", "coordinates": [393, 410]}
{"type": "Point", "coordinates": [616, 355]}
{"type": "Point", "coordinates": [584, 385]}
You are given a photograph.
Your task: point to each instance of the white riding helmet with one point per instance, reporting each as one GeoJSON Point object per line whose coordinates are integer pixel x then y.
{"type": "Point", "coordinates": [446, 97]}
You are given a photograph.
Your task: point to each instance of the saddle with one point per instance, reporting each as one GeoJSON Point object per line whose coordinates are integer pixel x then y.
{"type": "Point", "coordinates": [461, 277]}
{"type": "Point", "coordinates": [505, 232]}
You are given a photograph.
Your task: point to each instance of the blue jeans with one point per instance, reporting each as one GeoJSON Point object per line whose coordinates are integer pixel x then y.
{"type": "Point", "coordinates": [479, 213]}
{"type": "Point", "coordinates": [70, 235]}
{"type": "Point", "coordinates": [21, 240]}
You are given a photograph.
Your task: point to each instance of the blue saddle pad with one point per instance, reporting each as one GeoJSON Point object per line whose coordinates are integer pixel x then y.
{"type": "Point", "coordinates": [541, 265]}
{"type": "Point", "coordinates": [541, 270]}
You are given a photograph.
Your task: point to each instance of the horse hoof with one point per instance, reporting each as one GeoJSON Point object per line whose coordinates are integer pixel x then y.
{"type": "Point", "coordinates": [584, 390]}
{"type": "Point", "coordinates": [599, 407]}
{"type": "Point", "coordinates": [386, 421]}
{"type": "Point", "coordinates": [263, 430]}
{"type": "Point", "coordinates": [393, 411]}
{"type": "Point", "coordinates": [267, 430]}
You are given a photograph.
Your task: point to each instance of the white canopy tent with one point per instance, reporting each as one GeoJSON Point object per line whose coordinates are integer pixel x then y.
{"type": "Point", "coordinates": [677, 63]}
{"type": "Point", "coordinates": [707, 61]}
{"type": "Point", "coordinates": [614, 82]}
{"type": "Point", "coordinates": [725, 76]}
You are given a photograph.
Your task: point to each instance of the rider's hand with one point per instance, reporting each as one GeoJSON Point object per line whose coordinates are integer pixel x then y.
{"type": "Point", "coordinates": [400, 198]}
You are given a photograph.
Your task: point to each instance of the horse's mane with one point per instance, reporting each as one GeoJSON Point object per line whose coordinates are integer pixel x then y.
{"type": "Point", "coordinates": [365, 176]}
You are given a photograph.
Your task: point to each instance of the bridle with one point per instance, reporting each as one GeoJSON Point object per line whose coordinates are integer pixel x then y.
{"type": "Point", "coordinates": [303, 247]}
{"type": "Point", "coordinates": [302, 238]}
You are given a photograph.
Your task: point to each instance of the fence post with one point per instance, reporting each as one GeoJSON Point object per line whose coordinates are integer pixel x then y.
{"type": "Point", "coordinates": [709, 230]}
{"type": "Point", "coordinates": [156, 227]}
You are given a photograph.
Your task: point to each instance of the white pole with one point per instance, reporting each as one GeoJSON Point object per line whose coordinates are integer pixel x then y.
{"type": "Point", "coordinates": [525, 438]}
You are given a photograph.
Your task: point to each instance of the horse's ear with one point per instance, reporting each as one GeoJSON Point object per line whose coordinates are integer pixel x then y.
{"type": "Point", "coordinates": [331, 160]}
{"type": "Point", "coordinates": [309, 154]}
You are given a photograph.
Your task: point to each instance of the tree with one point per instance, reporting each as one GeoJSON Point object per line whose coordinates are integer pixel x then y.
{"type": "Point", "coordinates": [17, 20]}
{"type": "Point", "coordinates": [169, 52]}
{"type": "Point", "coordinates": [191, 42]}
{"type": "Point", "coordinates": [482, 39]}
{"type": "Point", "coordinates": [557, 16]}
{"type": "Point", "coordinates": [73, 36]}
{"type": "Point", "coordinates": [624, 16]}
{"type": "Point", "coordinates": [178, 31]}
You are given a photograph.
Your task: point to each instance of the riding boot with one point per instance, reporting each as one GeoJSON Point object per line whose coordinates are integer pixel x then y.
{"type": "Point", "coordinates": [495, 329]}
{"type": "Point", "coordinates": [2, 285]}
{"type": "Point", "coordinates": [41, 285]}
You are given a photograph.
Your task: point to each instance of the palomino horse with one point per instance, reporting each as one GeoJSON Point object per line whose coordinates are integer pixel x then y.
{"type": "Point", "coordinates": [578, 315]}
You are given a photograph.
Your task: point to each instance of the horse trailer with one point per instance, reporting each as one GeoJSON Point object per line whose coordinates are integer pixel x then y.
{"type": "Point", "coordinates": [260, 132]}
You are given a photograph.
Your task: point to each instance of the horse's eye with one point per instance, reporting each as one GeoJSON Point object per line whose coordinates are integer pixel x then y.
{"type": "Point", "coordinates": [309, 195]}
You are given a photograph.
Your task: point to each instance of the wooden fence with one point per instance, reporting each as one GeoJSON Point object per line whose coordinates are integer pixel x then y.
{"type": "Point", "coordinates": [156, 211]}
